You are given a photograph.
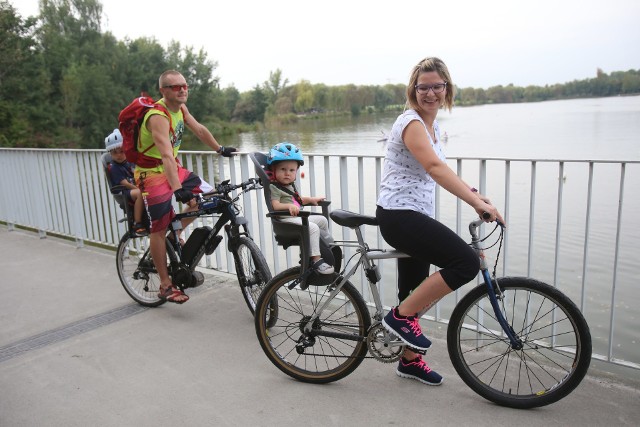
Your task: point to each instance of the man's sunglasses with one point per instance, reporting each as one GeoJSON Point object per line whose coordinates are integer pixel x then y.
{"type": "Point", "coordinates": [176, 88]}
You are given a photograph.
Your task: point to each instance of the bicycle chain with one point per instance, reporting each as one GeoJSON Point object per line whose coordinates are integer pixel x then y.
{"type": "Point", "coordinates": [382, 345]}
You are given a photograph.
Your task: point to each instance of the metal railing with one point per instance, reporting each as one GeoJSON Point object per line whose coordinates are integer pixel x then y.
{"type": "Point", "coordinates": [571, 223]}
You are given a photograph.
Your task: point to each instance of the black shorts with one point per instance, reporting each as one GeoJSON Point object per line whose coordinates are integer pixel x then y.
{"type": "Point", "coordinates": [428, 242]}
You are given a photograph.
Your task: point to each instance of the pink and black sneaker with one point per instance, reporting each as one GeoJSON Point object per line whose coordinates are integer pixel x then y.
{"type": "Point", "coordinates": [406, 328]}
{"type": "Point", "coordinates": [417, 369]}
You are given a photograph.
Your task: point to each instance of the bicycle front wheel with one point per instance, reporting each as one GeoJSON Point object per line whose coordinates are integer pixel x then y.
{"type": "Point", "coordinates": [252, 270]}
{"type": "Point", "coordinates": [556, 344]}
{"type": "Point", "coordinates": [137, 272]}
{"type": "Point", "coordinates": [335, 345]}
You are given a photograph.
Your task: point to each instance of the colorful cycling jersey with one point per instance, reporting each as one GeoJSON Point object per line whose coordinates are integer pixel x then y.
{"type": "Point", "coordinates": [405, 184]}
{"type": "Point", "coordinates": [146, 139]}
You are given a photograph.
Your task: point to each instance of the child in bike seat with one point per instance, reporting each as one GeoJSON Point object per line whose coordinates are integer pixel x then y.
{"type": "Point", "coordinates": [283, 163]}
{"type": "Point", "coordinates": [121, 173]}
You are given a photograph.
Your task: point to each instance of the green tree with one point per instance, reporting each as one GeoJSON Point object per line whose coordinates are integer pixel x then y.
{"type": "Point", "coordinates": [630, 82]}
{"type": "Point", "coordinates": [275, 85]}
{"type": "Point", "coordinates": [231, 98]}
{"type": "Point", "coordinates": [66, 30]}
{"type": "Point", "coordinates": [23, 84]}
{"type": "Point", "coordinates": [138, 65]}
{"type": "Point", "coordinates": [384, 96]}
{"type": "Point", "coordinates": [252, 106]}
{"type": "Point", "coordinates": [304, 96]}
{"type": "Point", "coordinates": [205, 96]}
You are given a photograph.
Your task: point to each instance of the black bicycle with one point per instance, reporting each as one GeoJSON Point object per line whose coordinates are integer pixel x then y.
{"type": "Point", "coordinates": [138, 273]}
{"type": "Point", "coordinates": [515, 341]}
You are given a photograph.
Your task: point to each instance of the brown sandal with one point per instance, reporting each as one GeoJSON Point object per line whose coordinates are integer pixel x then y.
{"type": "Point", "coordinates": [173, 294]}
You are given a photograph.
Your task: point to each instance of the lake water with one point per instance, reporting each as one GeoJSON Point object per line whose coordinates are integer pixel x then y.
{"type": "Point", "coordinates": [581, 129]}
{"type": "Point", "coordinates": [589, 129]}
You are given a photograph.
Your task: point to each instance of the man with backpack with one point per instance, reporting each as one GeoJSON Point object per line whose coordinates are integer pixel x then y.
{"type": "Point", "coordinates": [160, 176]}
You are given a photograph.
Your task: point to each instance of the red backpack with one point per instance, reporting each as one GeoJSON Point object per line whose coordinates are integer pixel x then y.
{"type": "Point", "coordinates": [131, 118]}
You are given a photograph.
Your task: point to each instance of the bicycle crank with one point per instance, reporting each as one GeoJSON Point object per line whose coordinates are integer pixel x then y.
{"type": "Point", "coordinates": [384, 346]}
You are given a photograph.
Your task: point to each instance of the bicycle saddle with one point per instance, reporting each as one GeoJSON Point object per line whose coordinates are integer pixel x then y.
{"type": "Point", "coordinates": [351, 219]}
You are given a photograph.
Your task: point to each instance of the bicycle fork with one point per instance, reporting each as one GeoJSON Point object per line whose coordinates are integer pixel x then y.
{"type": "Point", "coordinates": [514, 339]}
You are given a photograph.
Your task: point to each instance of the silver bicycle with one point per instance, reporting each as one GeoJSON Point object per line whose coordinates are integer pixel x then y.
{"type": "Point", "coordinates": [515, 341]}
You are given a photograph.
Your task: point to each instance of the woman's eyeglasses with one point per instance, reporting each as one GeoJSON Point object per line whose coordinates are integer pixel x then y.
{"type": "Point", "coordinates": [437, 88]}
{"type": "Point", "coordinates": [176, 88]}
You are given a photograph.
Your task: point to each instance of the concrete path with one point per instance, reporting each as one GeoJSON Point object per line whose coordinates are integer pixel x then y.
{"type": "Point", "coordinates": [76, 351]}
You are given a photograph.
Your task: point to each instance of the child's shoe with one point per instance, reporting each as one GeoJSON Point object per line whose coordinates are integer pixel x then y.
{"type": "Point", "coordinates": [417, 369]}
{"type": "Point", "coordinates": [322, 267]}
{"type": "Point", "coordinates": [139, 229]}
{"type": "Point", "coordinates": [406, 328]}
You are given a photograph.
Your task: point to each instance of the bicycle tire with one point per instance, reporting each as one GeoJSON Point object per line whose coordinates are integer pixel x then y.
{"type": "Point", "coordinates": [327, 359]}
{"type": "Point", "coordinates": [136, 271]}
{"type": "Point", "coordinates": [252, 270]}
{"type": "Point", "coordinates": [555, 356]}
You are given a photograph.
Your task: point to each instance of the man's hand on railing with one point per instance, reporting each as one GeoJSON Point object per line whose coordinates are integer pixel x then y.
{"type": "Point", "coordinates": [227, 151]}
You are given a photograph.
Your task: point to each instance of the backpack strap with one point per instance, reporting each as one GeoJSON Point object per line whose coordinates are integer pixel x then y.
{"type": "Point", "coordinates": [147, 161]}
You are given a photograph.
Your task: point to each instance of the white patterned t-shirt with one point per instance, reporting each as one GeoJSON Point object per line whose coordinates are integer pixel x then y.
{"type": "Point", "coordinates": [405, 184]}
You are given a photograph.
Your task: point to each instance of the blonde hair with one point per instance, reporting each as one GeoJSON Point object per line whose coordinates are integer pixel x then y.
{"type": "Point", "coordinates": [424, 66]}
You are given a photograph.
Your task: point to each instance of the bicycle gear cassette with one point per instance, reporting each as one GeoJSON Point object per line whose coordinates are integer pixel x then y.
{"type": "Point", "coordinates": [384, 346]}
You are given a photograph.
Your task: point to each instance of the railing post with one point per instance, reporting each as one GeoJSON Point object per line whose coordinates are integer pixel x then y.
{"type": "Point", "coordinates": [615, 260]}
{"type": "Point", "coordinates": [587, 226]}
{"type": "Point", "coordinates": [532, 209]}
{"type": "Point", "coordinates": [507, 199]}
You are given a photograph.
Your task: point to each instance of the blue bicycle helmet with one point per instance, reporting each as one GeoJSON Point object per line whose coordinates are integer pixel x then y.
{"type": "Point", "coordinates": [285, 151]}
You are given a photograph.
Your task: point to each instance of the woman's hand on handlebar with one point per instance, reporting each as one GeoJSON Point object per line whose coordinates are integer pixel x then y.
{"type": "Point", "coordinates": [489, 213]}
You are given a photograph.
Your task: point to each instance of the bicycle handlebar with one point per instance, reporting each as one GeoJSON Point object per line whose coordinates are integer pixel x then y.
{"type": "Point", "coordinates": [225, 188]}
{"type": "Point", "coordinates": [487, 215]}
{"type": "Point", "coordinates": [473, 225]}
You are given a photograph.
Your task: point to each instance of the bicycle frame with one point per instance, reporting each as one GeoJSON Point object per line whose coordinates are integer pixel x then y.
{"type": "Point", "coordinates": [229, 219]}
{"type": "Point", "coordinates": [367, 256]}
{"type": "Point", "coordinates": [232, 229]}
{"type": "Point", "coordinates": [366, 260]}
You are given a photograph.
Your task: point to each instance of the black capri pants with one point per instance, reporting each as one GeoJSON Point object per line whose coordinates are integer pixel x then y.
{"type": "Point", "coordinates": [428, 242]}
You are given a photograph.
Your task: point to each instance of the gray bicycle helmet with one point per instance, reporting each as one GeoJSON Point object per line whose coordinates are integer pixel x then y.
{"type": "Point", "coordinates": [114, 140]}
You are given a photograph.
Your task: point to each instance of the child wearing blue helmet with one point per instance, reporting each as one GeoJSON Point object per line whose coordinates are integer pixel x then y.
{"type": "Point", "coordinates": [284, 160]}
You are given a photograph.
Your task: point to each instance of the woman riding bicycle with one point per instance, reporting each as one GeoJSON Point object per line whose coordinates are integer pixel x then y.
{"type": "Point", "coordinates": [414, 163]}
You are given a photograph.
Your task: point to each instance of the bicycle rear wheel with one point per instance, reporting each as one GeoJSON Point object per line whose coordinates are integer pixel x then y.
{"type": "Point", "coordinates": [556, 350]}
{"type": "Point", "coordinates": [334, 347]}
{"type": "Point", "coordinates": [252, 270]}
{"type": "Point", "coordinates": [137, 272]}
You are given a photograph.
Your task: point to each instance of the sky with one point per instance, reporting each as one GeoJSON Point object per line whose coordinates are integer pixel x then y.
{"type": "Point", "coordinates": [372, 42]}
